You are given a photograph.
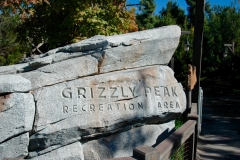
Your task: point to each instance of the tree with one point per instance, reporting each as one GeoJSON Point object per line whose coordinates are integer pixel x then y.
{"type": "Point", "coordinates": [59, 23]}
{"type": "Point", "coordinates": [172, 14]}
{"type": "Point", "coordinates": [222, 26]}
{"type": "Point", "coordinates": [21, 7]}
{"type": "Point", "coordinates": [11, 51]}
{"type": "Point", "coordinates": [191, 10]}
{"type": "Point", "coordinates": [146, 18]}
{"type": "Point", "coordinates": [64, 22]}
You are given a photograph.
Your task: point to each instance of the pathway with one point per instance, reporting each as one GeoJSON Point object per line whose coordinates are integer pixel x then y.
{"type": "Point", "coordinates": [220, 136]}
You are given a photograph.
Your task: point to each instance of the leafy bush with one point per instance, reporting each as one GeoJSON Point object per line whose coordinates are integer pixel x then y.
{"type": "Point", "coordinates": [64, 22]}
{"type": "Point", "coordinates": [11, 50]}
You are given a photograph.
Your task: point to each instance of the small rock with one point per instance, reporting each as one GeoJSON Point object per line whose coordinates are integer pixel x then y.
{"type": "Point", "coordinates": [41, 61]}
{"type": "Point", "coordinates": [72, 151]}
{"type": "Point", "coordinates": [122, 144]}
{"type": "Point", "coordinates": [63, 71]}
{"type": "Point", "coordinates": [16, 147]}
{"type": "Point", "coordinates": [85, 45]}
{"type": "Point", "coordinates": [16, 114]}
{"type": "Point", "coordinates": [14, 83]}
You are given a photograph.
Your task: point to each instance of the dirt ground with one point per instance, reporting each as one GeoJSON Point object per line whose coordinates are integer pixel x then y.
{"type": "Point", "coordinates": [220, 133]}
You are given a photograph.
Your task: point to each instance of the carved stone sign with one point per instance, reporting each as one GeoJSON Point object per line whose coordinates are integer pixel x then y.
{"type": "Point", "coordinates": [116, 93]}
{"type": "Point", "coordinates": [100, 104]}
{"type": "Point", "coordinates": [91, 97]}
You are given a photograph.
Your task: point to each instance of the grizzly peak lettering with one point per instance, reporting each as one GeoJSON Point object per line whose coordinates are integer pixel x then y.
{"type": "Point", "coordinates": [102, 92]}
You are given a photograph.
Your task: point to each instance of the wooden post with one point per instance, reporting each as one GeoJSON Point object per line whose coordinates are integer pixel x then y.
{"type": "Point", "coordinates": [191, 147]}
{"type": "Point", "coordinates": [197, 52]}
{"type": "Point", "coordinates": [197, 45]}
{"type": "Point", "coordinates": [194, 116]}
{"type": "Point", "coordinates": [146, 153]}
{"type": "Point", "coordinates": [172, 63]}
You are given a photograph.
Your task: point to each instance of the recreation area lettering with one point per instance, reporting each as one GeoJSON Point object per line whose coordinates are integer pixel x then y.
{"type": "Point", "coordinates": [97, 98]}
{"type": "Point", "coordinates": [91, 108]}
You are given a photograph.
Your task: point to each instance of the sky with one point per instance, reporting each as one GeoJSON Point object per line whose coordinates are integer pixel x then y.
{"type": "Point", "coordinates": [182, 3]}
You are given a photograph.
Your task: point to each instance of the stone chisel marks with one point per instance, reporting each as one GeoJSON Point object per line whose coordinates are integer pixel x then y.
{"type": "Point", "coordinates": [99, 104]}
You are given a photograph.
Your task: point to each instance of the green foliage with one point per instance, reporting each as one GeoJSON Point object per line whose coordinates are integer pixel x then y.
{"type": "Point", "coordinates": [167, 19]}
{"type": "Point", "coordinates": [183, 58]}
{"type": "Point", "coordinates": [146, 19]}
{"type": "Point", "coordinates": [179, 122]}
{"type": "Point", "coordinates": [179, 154]}
{"type": "Point", "coordinates": [222, 25]}
{"type": "Point", "coordinates": [172, 14]}
{"type": "Point", "coordinates": [21, 7]}
{"type": "Point", "coordinates": [11, 51]}
{"type": "Point", "coordinates": [64, 22]}
{"type": "Point", "coordinates": [191, 10]}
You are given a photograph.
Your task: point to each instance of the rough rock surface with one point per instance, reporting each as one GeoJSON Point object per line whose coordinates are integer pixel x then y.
{"type": "Point", "coordinates": [62, 71]}
{"type": "Point", "coordinates": [92, 93]}
{"type": "Point", "coordinates": [17, 112]}
{"type": "Point", "coordinates": [144, 48]}
{"type": "Point", "coordinates": [88, 44]}
{"type": "Point", "coordinates": [99, 105]}
{"type": "Point", "coordinates": [122, 144]}
{"type": "Point", "coordinates": [14, 83]}
{"type": "Point", "coordinates": [16, 147]}
{"type": "Point", "coordinates": [72, 151]}
{"type": "Point", "coordinates": [141, 49]}
{"type": "Point", "coordinates": [13, 69]}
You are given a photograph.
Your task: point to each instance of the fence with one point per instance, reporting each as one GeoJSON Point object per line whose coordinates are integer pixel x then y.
{"type": "Point", "coordinates": [184, 140]}
{"type": "Point", "coordinates": [185, 136]}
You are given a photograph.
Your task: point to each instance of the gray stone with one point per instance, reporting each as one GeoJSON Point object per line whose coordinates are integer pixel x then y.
{"type": "Point", "coordinates": [62, 71]}
{"type": "Point", "coordinates": [96, 150]}
{"type": "Point", "coordinates": [16, 147]}
{"type": "Point", "coordinates": [87, 44]}
{"type": "Point", "coordinates": [16, 114]}
{"type": "Point", "coordinates": [13, 69]}
{"type": "Point", "coordinates": [108, 92]}
{"type": "Point", "coordinates": [51, 52]}
{"type": "Point", "coordinates": [35, 153]}
{"type": "Point", "coordinates": [14, 83]}
{"type": "Point", "coordinates": [122, 144]}
{"type": "Point", "coordinates": [126, 43]}
{"type": "Point", "coordinates": [132, 50]}
{"type": "Point", "coordinates": [166, 32]}
{"type": "Point", "coordinates": [70, 152]}
{"type": "Point", "coordinates": [41, 144]}
{"type": "Point", "coordinates": [148, 48]}
{"type": "Point", "coordinates": [103, 104]}
{"type": "Point", "coordinates": [41, 61]}
{"type": "Point", "coordinates": [61, 56]}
